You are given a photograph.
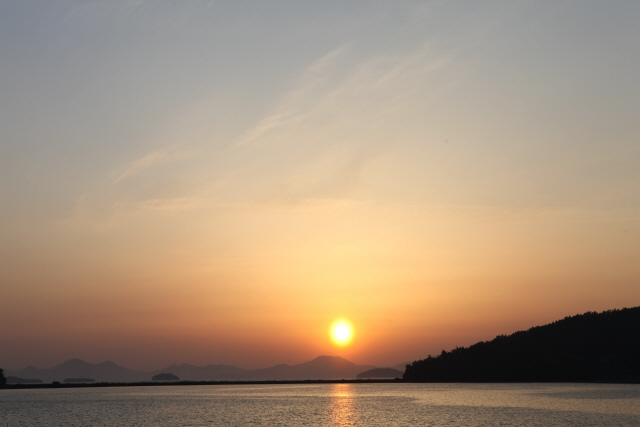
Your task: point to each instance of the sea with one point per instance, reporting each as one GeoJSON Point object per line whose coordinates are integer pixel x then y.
{"type": "Point", "coordinates": [386, 404]}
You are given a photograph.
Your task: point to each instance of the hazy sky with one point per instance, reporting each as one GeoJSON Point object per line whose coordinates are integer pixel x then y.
{"type": "Point", "coordinates": [216, 182]}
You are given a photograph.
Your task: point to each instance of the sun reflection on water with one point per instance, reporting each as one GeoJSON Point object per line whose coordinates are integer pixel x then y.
{"type": "Point", "coordinates": [343, 411]}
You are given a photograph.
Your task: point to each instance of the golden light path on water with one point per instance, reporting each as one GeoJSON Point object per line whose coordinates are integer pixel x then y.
{"type": "Point", "coordinates": [342, 399]}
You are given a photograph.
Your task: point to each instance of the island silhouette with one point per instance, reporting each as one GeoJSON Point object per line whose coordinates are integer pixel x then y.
{"type": "Point", "coordinates": [165, 376]}
{"type": "Point", "coordinates": [380, 373]}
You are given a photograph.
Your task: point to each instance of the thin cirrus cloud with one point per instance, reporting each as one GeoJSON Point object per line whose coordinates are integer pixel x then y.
{"type": "Point", "coordinates": [316, 141]}
{"type": "Point", "coordinates": [341, 110]}
{"type": "Point", "coordinates": [149, 160]}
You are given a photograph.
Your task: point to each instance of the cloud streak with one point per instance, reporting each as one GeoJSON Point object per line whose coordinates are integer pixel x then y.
{"type": "Point", "coordinates": [148, 161]}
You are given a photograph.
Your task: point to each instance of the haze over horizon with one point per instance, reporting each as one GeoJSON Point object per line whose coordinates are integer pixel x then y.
{"type": "Point", "coordinates": [219, 182]}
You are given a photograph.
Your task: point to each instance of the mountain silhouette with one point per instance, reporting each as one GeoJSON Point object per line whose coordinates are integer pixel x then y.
{"type": "Point", "coordinates": [320, 368]}
{"type": "Point", "coordinates": [76, 368]}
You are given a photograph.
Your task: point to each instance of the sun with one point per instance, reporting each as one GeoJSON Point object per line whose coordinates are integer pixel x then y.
{"type": "Point", "coordinates": [341, 332]}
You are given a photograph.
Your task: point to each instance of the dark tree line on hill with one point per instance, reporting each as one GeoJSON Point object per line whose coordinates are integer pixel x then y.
{"type": "Point", "coordinates": [590, 347]}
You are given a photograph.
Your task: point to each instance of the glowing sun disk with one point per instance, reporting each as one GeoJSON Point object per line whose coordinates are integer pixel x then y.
{"type": "Point", "coordinates": [341, 332]}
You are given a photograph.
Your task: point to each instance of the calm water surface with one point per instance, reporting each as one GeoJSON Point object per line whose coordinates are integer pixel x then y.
{"type": "Point", "coordinates": [327, 404]}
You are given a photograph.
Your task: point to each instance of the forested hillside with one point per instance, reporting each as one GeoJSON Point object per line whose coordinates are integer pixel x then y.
{"type": "Point", "coordinates": [590, 347]}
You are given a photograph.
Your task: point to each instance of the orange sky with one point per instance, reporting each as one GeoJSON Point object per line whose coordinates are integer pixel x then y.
{"type": "Point", "coordinates": [216, 184]}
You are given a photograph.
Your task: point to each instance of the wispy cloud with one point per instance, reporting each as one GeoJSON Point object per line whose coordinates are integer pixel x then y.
{"type": "Point", "coordinates": [146, 162]}
{"type": "Point", "coordinates": [341, 112]}
{"type": "Point", "coordinates": [339, 86]}
{"type": "Point", "coordinates": [288, 108]}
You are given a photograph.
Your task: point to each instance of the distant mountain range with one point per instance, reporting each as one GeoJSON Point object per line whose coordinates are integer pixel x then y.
{"type": "Point", "coordinates": [320, 368]}
{"type": "Point", "coordinates": [76, 368]}
{"type": "Point", "coordinates": [590, 347]}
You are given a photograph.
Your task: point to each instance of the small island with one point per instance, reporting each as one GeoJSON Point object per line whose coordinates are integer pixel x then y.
{"type": "Point", "coordinates": [165, 377]}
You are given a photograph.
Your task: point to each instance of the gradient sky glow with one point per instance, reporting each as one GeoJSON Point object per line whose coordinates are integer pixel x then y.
{"type": "Point", "coordinates": [217, 182]}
